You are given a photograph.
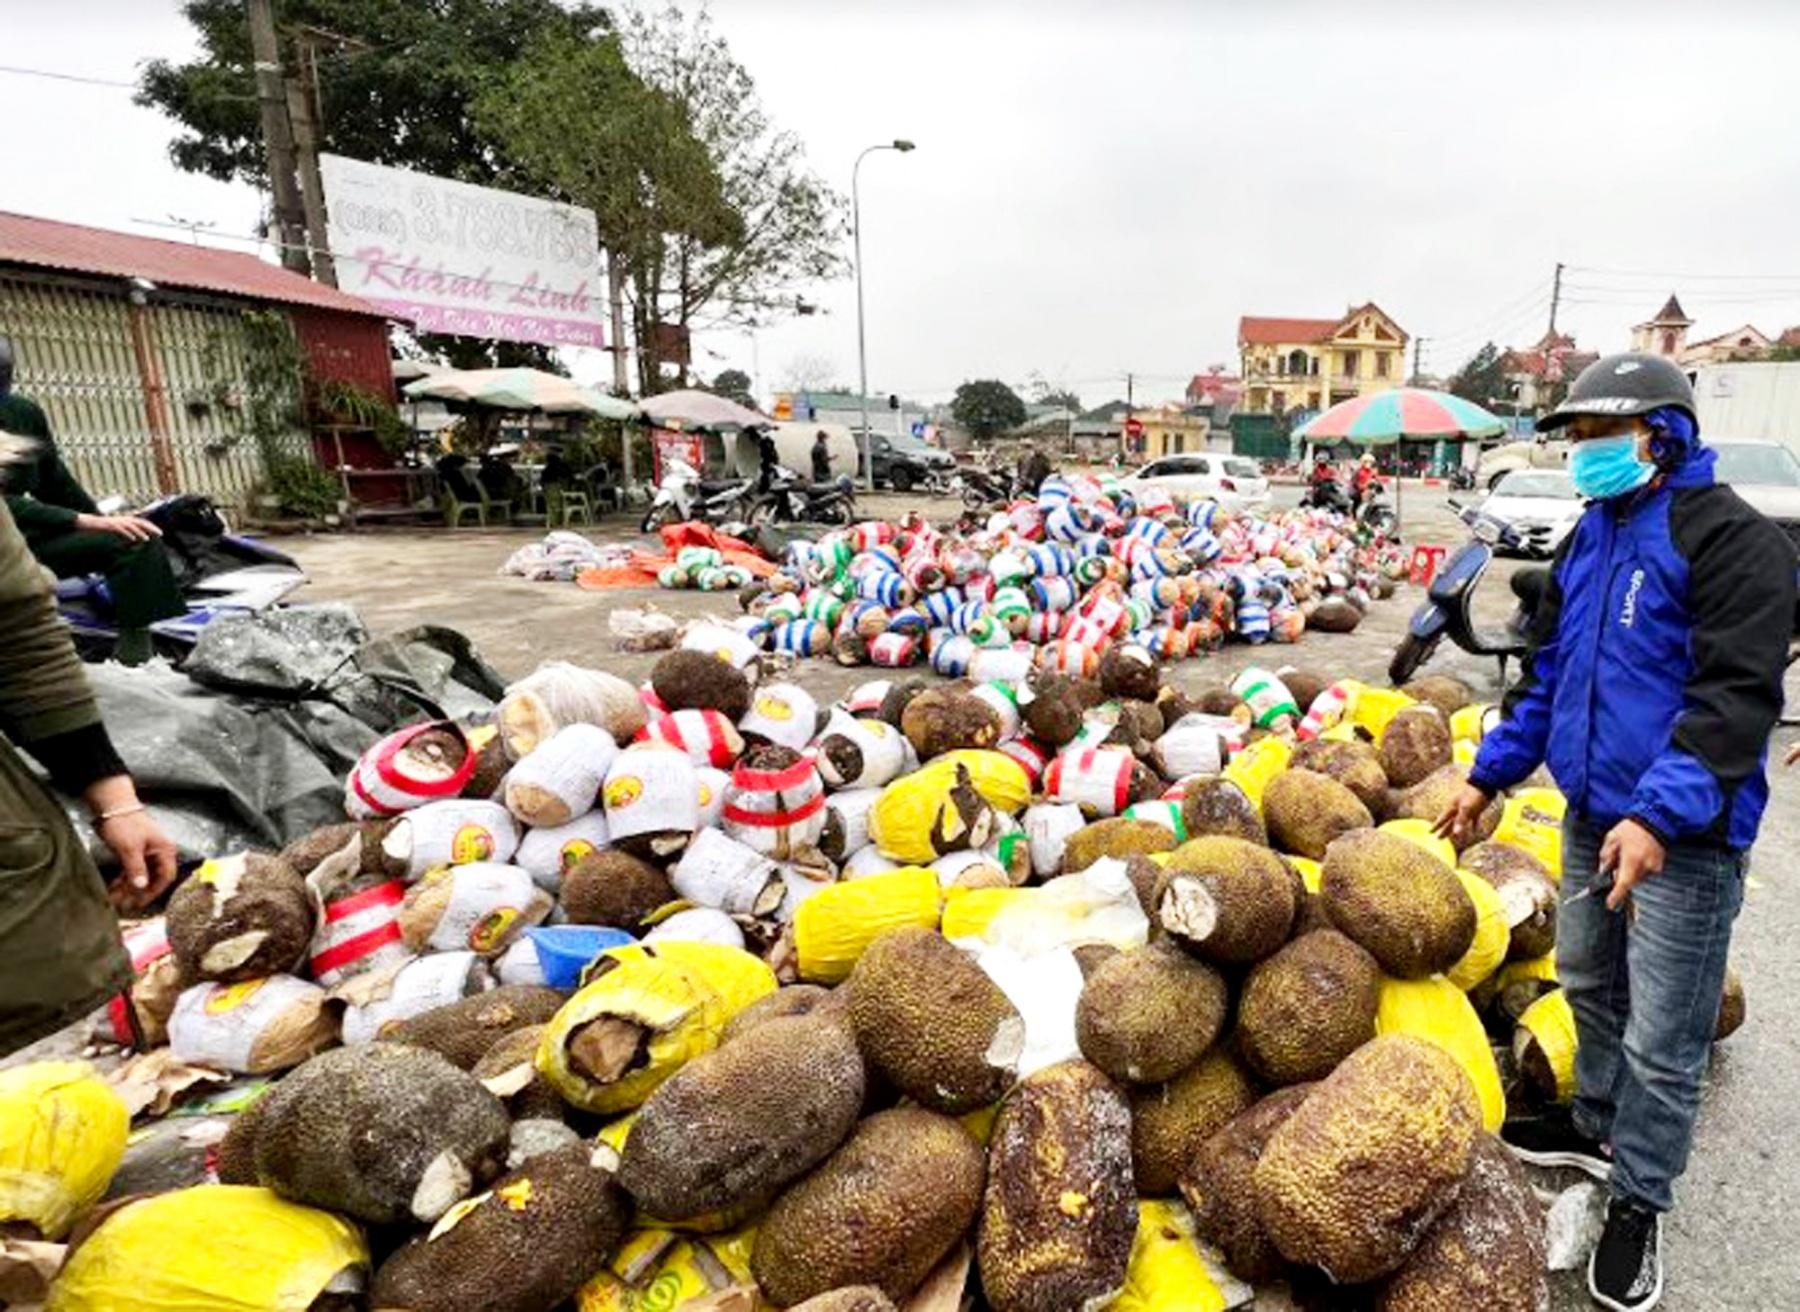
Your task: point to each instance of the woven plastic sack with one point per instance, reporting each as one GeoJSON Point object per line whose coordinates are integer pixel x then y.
{"type": "Point", "coordinates": [834, 926]}
{"type": "Point", "coordinates": [1437, 1011]}
{"type": "Point", "coordinates": [1171, 1271]}
{"type": "Point", "coordinates": [1253, 768]}
{"type": "Point", "coordinates": [1532, 820]}
{"type": "Point", "coordinates": [62, 1135]}
{"type": "Point", "coordinates": [1546, 1033]}
{"type": "Point", "coordinates": [215, 1248]}
{"type": "Point", "coordinates": [656, 1270]}
{"type": "Point", "coordinates": [682, 993]}
{"type": "Point", "coordinates": [1487, 952]}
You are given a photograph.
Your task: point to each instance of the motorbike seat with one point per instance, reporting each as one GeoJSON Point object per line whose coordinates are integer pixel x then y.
{"type": "Point", "coordinates": [713, 486]}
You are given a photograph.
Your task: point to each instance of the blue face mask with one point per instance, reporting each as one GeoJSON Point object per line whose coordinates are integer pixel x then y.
{"type": "Point", "coordinates": [1608, 467]}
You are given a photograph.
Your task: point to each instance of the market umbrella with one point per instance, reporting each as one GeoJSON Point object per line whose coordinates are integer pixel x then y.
{"type": "Point", "coordinates": [521, 389]}
{"type": "Point", "coordinates": [698, 409]}
{"type": "Point", "coordinates": [1384, 418]}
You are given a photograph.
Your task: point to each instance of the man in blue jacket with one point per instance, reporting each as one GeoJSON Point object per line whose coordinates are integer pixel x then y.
{"type": "Point", "coordinates": [1653, 684]}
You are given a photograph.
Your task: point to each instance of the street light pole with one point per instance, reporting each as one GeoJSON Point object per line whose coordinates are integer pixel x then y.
{"type": "Point", "coordinates": [862, 355]}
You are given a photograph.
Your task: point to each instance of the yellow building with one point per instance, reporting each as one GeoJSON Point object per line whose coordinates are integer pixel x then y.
{"type": "Point", "coordinates": [1312, 364]}
{"type": "Point", "coordinates": [1163, 431]}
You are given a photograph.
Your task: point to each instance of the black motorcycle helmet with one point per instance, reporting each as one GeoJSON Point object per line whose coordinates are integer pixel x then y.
{"type": "Point", "coordinates": [1629, 384]}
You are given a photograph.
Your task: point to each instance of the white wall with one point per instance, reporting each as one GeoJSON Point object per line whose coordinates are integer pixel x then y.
{"type": "Point", "coordinates": [1752, 402]}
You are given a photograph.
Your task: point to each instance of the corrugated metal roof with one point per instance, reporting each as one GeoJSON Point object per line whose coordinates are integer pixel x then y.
{"type": "Point", "coordinates": [48, 244]}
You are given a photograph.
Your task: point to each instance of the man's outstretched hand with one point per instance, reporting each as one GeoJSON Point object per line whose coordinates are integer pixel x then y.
{"type": "Point", "coordinates": [129, 527]}
{"type": "Point", "coordinates": [1457, 822]}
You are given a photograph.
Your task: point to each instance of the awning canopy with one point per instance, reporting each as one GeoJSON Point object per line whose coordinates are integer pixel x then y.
{"type": "Point", "coordinates": [520, 389]}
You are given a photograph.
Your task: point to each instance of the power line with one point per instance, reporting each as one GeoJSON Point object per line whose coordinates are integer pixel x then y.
{"type": "Point", "coordinates": [1694, 277]}
{"type": "Point", "coordinates": [19, 71]}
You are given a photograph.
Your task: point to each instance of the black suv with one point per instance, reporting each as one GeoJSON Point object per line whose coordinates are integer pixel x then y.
{"type": "Point", "coordinates": [904, 463]}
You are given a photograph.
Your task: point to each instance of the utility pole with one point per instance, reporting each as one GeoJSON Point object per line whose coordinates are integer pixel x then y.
{"type": "Point", "coordinates": [615, 295]}
{"type": "Point", "coordinates": [278, 136]}
{"type": "Point", "coordinates": [1418, 350]}
{"type": "Point", "coordinates": [1555, 296]}
{"type": "Point", "coordinates": [306, 113]}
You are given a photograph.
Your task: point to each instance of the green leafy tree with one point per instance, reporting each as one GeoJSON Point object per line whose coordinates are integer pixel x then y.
{"type": "Point", "coordinates": [1480, 379]}
{"type": "Point", "coordinates": [987, 407]}
{"type": "Point", "coordinates": [1060, 397]}
{"type": "Point", "coordinates": [734, 385]}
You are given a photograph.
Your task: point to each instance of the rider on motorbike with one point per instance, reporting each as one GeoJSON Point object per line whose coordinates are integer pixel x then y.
{"type": "Point", "coordinates": [768, 459]}
{"type": "Point", "coordinates": [1366, 480]}
{"type": "Point", "coordinates": [66, 531]}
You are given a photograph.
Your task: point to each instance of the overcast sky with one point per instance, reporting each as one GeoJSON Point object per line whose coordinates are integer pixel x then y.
{"type": "Point", "coordinates": [1102, 187]}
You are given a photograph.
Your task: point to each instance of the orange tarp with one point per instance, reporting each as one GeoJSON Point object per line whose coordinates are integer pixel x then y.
{"type": "Point", "coordinates": [641, 573]}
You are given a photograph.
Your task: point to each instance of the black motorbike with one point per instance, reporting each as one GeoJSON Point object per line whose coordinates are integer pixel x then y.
{"type": "Point", "coordinates": [1448, 608]}
{"type": "Point", "coordinates": [986, 487]}
{"type": "Point", "coordinates": [1462, 478]}
{"type": "Point", "coordinates": [1374, 514]}
{"type": "Point", "coordinates": [790, 499]}
{"type": "Point", "coordinates": [1326, 494]}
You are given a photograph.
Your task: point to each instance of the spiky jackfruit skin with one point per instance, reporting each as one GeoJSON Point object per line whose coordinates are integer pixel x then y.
{"type": "Point", "coordinates": [1218, 807]}
{"type": "Point", "coordinates": [461, 1032]}
{"type": "Point", "coordinates": [1305, 810]}
{"type": "Point", "coordinates": [791, 1000]}
{"type": "Point", "coordinates": [698, 680]}
{"type": "Point", "coordinates": [1356, 765]}
{"type": "Point", "coordinates": [239, 918]}
{"type": "Point", "coordinates": [1116, 837]}
{"type": "Point", "coordinates": [610, 887]}
{"type": "Point", "coordinates": [1147, 1015]}
{"type": "Point", "coordinates": [932, 1022]}
{"type": "Point", "coordinates": [899, 695]}
{"type": "Point", "coordinates": [1225, 900]}
{"type": "Point", "coordinates": [1218, 1185]}
{"type": "Point", "coordinates": [1427, 799]}
{"type": "Point", "coordinates": [1170, 1121]}
{"type": "Point", "coordinates": [1307, 1008]}
{"type": "Point", "coordinates": [1059, 1213]}
{"type": "Point", "coordinates": [1733, 1006]}
{"type": "Point", "coordinates": [1304, 686]}
{"type": "Point", "coordinates": [1487, 1251]}
{"type": "Point", "coordinates": [1527, 892]}
{"type": "Point", "coordinates": [1398, 901]}
{"type": "Point", "coordinates": [881, 1211]}
{"type": "Point", "coordinates": [236, 1161]}
{"type": "Point", "coordinates": [528, 1246]}
{"type": "Point", "coordinates": [943, 720]}
{"type": "Point", "coordinates": [1448, 694]}
{"type": "Point", "coordinates": [735, 1125]}
{"type": "Point", "coordinates": [359, 1130]}
{"type": "Point", "coordinates": [1415, 742]}
{"type": "Point", "coordinates": [1057, 705]}
{"type": "Point", "coordinates": [1355, 1178]}
{"type": "Point", "coordinates": [860, 1298]}
{"type": "Point", "coordinates": [1129, 670]}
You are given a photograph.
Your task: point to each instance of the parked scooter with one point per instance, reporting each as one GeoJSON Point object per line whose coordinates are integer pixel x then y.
{"type": "Point", "coordinates": [683, 495]}
{"type": "Point", "coordinates": [791, 499]}
{"type": "Point", "coordinates": [1462, 478]}
{"type": "Point", "coordinates": [219, 573]}
{"type": "Point", "coordinates": [981, 488]}
{"type": "Point", "coordinates": [1326, 494]}
{"type": "Point", "coordinates": [1448, 608]}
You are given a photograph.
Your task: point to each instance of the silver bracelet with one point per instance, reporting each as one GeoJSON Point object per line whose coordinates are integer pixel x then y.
{"type": "Point", "coordinates": [118, 811]}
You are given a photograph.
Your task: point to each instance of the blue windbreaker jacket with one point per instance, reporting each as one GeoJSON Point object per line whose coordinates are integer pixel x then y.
{"type": "Point", "coordinates": [1655, 677]}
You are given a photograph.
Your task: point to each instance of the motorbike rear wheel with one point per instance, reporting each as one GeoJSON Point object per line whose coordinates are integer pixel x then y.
{"type": "Point", "coordinates": [765, 512]}
{"type": "Point", "coordinates": [656, 517]}
{"type": "Point", "coordinates": [1412, 652]}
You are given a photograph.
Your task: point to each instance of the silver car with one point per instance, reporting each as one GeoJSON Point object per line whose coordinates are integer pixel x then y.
{"type": "Point", "coordinates": [1540, 504]}
{"type": "Point", "coordinates": [1766, 475]}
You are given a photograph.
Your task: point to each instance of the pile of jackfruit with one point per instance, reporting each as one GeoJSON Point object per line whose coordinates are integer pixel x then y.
{"type": "Point", "coordinates": [1072, 993]}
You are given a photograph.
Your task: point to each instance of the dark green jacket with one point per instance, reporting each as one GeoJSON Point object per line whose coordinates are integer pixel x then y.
{"type": "Point", "coordinates": [60, 955]}
{"type": "Point", "coordinates": [41, 493]}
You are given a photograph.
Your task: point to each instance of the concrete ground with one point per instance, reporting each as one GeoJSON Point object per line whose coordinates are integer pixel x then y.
{"type": "Point", "coordinates": [1727, 1245]}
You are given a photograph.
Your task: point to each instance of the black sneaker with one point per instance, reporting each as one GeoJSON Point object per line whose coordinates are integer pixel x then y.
{"type": "Point", "coordinates": [1553, 1140]}
{"type": "Point", "coordinates": [1625, 1273]}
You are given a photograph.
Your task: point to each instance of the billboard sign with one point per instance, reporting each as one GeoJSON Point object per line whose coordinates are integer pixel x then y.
{"type": "Point", "coordinates": [456, 258]}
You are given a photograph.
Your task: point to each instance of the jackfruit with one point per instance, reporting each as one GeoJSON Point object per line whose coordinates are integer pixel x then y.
{"type": "Point", "coordinates": [1354, 764]}
{"type": "Point", "coordinates": [235, 1158]}
{"type": "Point", "coordinates": [1225, 900]}
{"type": "Point", "coordinates": [1733, 1006]}
{"type": "Point", "coordinates": [1059, 1213]}
{"type": "Point", "coordinates": [899, 693]}
{"type": "Point", "coordinates": [354, 843]}
{"type": "Point", "coordinates": [1427, 799]}
{"type": "Point", "coordinates": [738, 1123]}
{"type": "Point", "coordinates": [62, 1136]}
{"type": "Point", "coordinates": [882, 1211]}
{"type": "Point", "coordinates": [1218, 1185]}
{"type": "Point", "coordinates": [1376, 1153]}
{"type": "Point", "coordinates": [1398, 901]}
{"type": "Point", "coordinates": [381, 1132]}
{"type": "Point", "coordinates": [943, 720]}
{"type": "Point", "coordinates": [932, 1022]}
{"type": "Point", "coordinates": [684, 679]}
{"type": "Point", "coordinates": [1307, 1008]}
{"type": "Point", "coordinates": [1115, 837]}
{"type": "Point", "coordinates": [526, 1245]}
{"type": "Point", "coordinates": [509, 1069]}
{"type": "Point", "coordinates": [858, 1298]}
{"type": "Point", "coordinates": [1448, 694]}
{"type": "Point", "coordinates": [1127, 669]}
{"type": "Point", "coordinates": [461, 1032]}
{"type": "Point", "coordinates": [610, 887]}
{"type": "Point", "coordinates": [1304, 685]}
{"type": "Point", "coordinates": [1543, 1047]}
{"type": "Point", "coordinates": [1527, 893]}
{"type": "Point", "coordinates": [1333, 615]}
{"type": "Point", "coordinates": [239, 918]}
{"type": "Point", "coordinates": [1057, 704]}
{"type": "Point", "coordinates": [1218, 807]}
{"type": "Point", "coordinates": [1440, 1013]}
{"type": "Point", "coordinates": [1487, 1251]}
{"type": "Point", "coordinates": [1147, 1015]}
{"type": "Point", "coordinates": [790, 1000]}
{"type": "Point", "coordinates": [1305, 810]}
{"type": "Point", "coordinates": [1170, 1121]}
{"type": "Point", "coordinates": [1415, 742]}
{"type": "Point", "coordinates": [483, 906]}
{"type": "Point", "coordinates": [937, 809]}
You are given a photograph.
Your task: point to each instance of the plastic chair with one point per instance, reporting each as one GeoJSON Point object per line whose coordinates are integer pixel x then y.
{"type": "Point", "coordinates": [456, 511]}
{"type": "Point", "coordinates": [562, 506]}
{"type": "Point", "coordinates": [501, 510]}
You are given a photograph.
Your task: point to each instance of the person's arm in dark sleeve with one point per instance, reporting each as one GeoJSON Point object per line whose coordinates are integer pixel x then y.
{"type": "Point", "coordinates": [40, 517]}
{"type": "Point", "coordinates": [1515, 747]}
{"type": "Point", "coordinates": [1741, 589]}
{"type": "Point", "coordinates": [51, 483]}
{"type": "Point", "coordinates": [57, 487]}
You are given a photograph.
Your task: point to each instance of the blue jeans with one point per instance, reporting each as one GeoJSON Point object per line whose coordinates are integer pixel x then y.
{"type": "Point", "coordinates": [1645, 983]}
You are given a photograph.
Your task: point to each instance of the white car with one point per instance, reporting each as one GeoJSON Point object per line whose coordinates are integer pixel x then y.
{"type": "Point", "coordinates": [1765, 474]}
{"type": "Point", "coordinates": [1540, 503]}
{"type": "Point", "coordinates": [1233, 481]}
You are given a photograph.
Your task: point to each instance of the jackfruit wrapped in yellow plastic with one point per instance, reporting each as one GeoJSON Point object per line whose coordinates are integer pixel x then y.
{"type": "Point", "coordinates": [1418, 833]}
{"type": "Point", "coordinates": [62, 1134]}
{"type": "Point", "coordinates": [1437, 1011]}
{"type": "Point", "coordinates": [1170, 1271]}
{"type": "Point", "coordinates": [656, 1270]}
{"type": "Point", "coordinates": [1469, 724]}
{"type": "Point", "coordinates": [1001, 781]}
{"type": "Point", "coordinates": [1532, 819]}
{"type": "Point", "coordinates": [214, 1248]}
{"type": "Point", "coordinates": [916, 818]}
{"type": "Point", "coordinates": [1372, 708]}
{"type": "Point", "coordinates": [671, 999]}
{"type": "Point", "coordinates": [1094, 905]}
{"type": "Point", "coordinates": [1544, 1043]}
{"type": "Point", "coordinates": [835, 925]}
{"type": "Point", "coordinates": [1252, 768]}
{"type": "Point", "coordinates": [1487, 952]}
{"type": "Point", "coordinates": [1463, 752]}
